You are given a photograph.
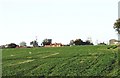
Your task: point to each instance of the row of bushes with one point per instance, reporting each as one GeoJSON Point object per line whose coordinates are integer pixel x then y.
{"type": "Point", "coordinates": [112, 47]}
{"type": "Point", "coordinates": [13, 45]}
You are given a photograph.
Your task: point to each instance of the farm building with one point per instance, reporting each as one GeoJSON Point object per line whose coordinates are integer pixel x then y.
{"type": "Point", "coordinates": [54, 45]}
{"type": "Point", "coordinates": [113, 42]}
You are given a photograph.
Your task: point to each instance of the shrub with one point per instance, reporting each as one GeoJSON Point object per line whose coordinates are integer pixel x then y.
{"type": "Point", "coordinates": [12, 45]}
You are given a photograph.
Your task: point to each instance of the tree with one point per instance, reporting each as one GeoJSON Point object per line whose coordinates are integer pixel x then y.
{"type": "Point", "coordinates": [12, 45]}
{"type": "Point", "coordinates": [34, 43]}
{"type": "Point", "coordinates": [47, 42]}
{"type": "Point", "coordinates": [102, 43]}
{"type": "Point", "coordinates": [71, 42]}
{"type": "Point", "coordinates": [23, 44]}
{"type": "Point", "coordinates": [2, 46]}
{"type": "Point", "coordinates": [88, 42]}
{"type": "Point", "coordinates": [117, 28]}
{"type": "Point", "coordinates": [117, 25]}
{"type": "Point", "coordinates": [78, 42]}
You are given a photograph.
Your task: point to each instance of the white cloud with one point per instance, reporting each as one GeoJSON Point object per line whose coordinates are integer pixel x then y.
{"type": "Point", "coordinates": [61, 20]}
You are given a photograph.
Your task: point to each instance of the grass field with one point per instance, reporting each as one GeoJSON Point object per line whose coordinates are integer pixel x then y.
{"type": "Point", "coordinates": [60, 61]}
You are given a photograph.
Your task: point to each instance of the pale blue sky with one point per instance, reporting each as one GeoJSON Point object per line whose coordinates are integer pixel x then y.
{"type": "Point", "coordinates": [60, 20]}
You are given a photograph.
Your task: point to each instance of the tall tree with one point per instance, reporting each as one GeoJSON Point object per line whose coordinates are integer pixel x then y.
{"type": "Point", "coordinates": [12, 45]}
{"type": "Point", "coordinates": [117, 25]}
{"type": "Point", "coordinates": [117, 28]}
{"type": "Point", "coordinates": [47, 42]}
{"type": "Point", "coordinates": [34, 43]}
{"type": "Point", "coordinates": [88, 42]}
{"type": "Point", "coordinates": [78, 42]}
{"type": "Point", "coordinates": [71, 42]}
{"type": "Point", "coordinates": [23, 44]}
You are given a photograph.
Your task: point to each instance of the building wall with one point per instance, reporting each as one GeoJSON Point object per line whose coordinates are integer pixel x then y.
{"type": "Point", "coordinates": [113, 42]}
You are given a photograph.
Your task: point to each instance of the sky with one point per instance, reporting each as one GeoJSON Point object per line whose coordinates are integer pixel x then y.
{"type": "Point", "coordinates": [59, 20]}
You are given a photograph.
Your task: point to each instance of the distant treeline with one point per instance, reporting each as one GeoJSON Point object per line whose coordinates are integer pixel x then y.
{"type": "Point", "coordinates": [45, 42]}
{"type": "Point", "coordinates": [80, 42]}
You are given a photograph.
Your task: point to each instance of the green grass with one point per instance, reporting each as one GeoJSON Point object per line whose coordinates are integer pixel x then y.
{"type": "Point", "coordinates": [60, 61]}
